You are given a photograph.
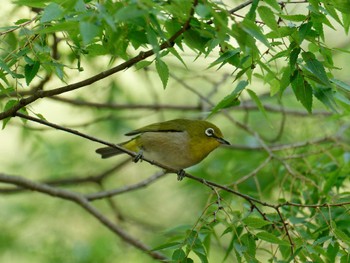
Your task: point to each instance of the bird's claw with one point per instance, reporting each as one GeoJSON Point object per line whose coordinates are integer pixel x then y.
{"type": "Point", "coordinates": [138, 157]}
{"type": "Point", "coordinates": [181, 174]}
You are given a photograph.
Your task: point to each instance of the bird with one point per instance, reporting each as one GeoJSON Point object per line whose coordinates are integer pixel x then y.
{"type": "Point", "coordinates": [178, 143]}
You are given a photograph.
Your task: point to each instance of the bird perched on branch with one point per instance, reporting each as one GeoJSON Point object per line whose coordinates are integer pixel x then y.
{"type": "Point", "coordinates": [178, 143]}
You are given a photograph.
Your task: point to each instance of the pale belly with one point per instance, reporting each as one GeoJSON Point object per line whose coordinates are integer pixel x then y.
{"type": "Point", "coordinates": [168, 148]}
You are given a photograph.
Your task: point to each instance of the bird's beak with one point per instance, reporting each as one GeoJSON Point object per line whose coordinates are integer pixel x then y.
{"type": "Point", "coordinates": [223, 141]}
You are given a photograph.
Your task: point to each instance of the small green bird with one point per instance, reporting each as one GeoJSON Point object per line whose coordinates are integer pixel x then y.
{"type": "Point", "coordinates": [178, 143]}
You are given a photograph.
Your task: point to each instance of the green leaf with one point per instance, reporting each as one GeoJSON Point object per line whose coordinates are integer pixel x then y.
{"type": "Point", "coordinates": [224, 57]}
{"type": "Point", "coordinates": [30, 71]}
{"type": "Point", "coordinates": [326, 96]}
{"type": "Point", "coordinates": [179, 255]}
{"type": "Point", "coordinates": [232, 99]}
{"type": "Point", "coordinates": [266, 236]}
{"type": "Point", "coordinates": [88, 31]}
{"type": "Point", "coordinates": [274, 4]}
{"type": "Point", "coordinates": [268, 17]}
{"type": "Point", "coordinates": [142, 64]}
{"type": "Point", "coordinates": [8, 106]}
{"type": "Point", "coordinates": [255, 222]}
{"type": "Point", "coordinates": [315, 67]}
{"type": "Point", "coordinates": [302, 90]}
{"type": "Point", "coordinates": [163, 71]}
{"type": "Point", "coordinates": [295, 18]}
{"type": "Point", "coordinates": [344, 86]}
{"type": "Point", "coordinates": [257, 101]}
{"type": "Point", "coordinates": [342, 236]}
{"type": "Point", "coordinates": [253, 30]}
{"type": "Point", "coordinates": [52, 12]}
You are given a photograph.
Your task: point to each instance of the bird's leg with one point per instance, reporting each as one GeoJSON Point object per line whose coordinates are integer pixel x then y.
{"type": "Point", "coordinates": [138, 157]}
{"type": "Point", "coordinates": [181, 174]}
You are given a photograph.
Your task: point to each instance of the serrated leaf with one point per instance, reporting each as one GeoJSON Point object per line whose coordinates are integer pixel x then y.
{"type": "Point", "coordinates": [167, 246]}
{"type": "Point", "coordinates": [315, 67]}
{"type": "Point", "coordinates": [257, 101]}
{"type": "Point", "coordinates": [255, 222]}
{"type": "Point", "coordinates": [232, 99]}
{"type": "Point", "coordinates": [224, 57]}
{"type": "Point", "coordinates": [268, 17]}
{"type": "Point", "coordinates": [163, 71]}
{"type": "Point", "coordinates": [179, 255]}
{"type": "Point", "coordinates": [52, 12]}
{"type": "Point", "coordinates": [326, 96]}
{"type": "Point", "coordinates": [30, 71]}
{"type": "Point", "coordinates": [263, 235]}
{"type": "Point", "coordinates": [253, 30]}
{"type": "Point", "coordinates": [302, 90]}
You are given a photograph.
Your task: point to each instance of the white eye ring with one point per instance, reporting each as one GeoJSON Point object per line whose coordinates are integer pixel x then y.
{"type": "Point", "coordinates": [209, 132]}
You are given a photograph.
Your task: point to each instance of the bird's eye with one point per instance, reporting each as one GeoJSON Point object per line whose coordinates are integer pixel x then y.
{"type": "Point", "coordinates": [209, 132]}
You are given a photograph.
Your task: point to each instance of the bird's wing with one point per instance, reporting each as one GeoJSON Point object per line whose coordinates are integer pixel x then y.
{"type": "Point", "coordinates": [168, 126]}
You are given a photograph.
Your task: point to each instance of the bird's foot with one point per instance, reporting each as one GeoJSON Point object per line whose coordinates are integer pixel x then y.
{"type": "Point", "coordinates": [138, 157]}
{"type": "Point", "coordinates": [181, 174]}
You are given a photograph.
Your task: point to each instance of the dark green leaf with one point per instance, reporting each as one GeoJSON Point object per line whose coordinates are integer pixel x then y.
{"type": "Point", "coordinates": [225, 57]}
{"type": "Point", "coordinates": [163, 71]}
{"type": "Point", "coordinates": [326, 96]}
{"type": "Point", "coordinates": [179, 255]}
{"type": "Point", "coordinates": [30, 71]}
{"type": "Point", "coordinates": [293, 57]}
{"type": "Point", "coordinates": [315, 67]}
{"type": "Point", "coordinates": [302, 90]}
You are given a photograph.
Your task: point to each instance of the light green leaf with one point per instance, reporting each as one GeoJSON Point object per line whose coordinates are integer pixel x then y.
{"type": "Point", "coordinates": [295, 18]}
{"type": "Point", "coordinates": [268, 17]}
{"type": "Point", "coordinates": [52, 12]}
{"type": "Point", "coordinates": [142, 64]}
{"type": "Point", "coordinates": [274, 4]}
{"type": "Point", "coordinates": [89, 31]}
{"type": "Point", "coordinates": [253, 30]}
{"type": "Point", "coordinates": [8, 106]}
{"type": "Point", "coordinates": [257, 101]}
{"type": "Point", "coordinates": [163, 71]}
{"type": "Point", "coordinates": [344, 86]}
{"type": "Point", "coordinates": [266, 236]}
{"type": "Point", "coordinates": [255, 222]}
{"type": "Point", "coordinates": [232, 99]}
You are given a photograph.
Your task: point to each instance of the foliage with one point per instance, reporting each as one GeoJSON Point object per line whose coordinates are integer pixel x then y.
{"type": "Point", "coordinates": [268, 71]}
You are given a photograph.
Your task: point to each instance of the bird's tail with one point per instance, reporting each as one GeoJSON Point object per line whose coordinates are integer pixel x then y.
{"type": "Point", "coordinates": [107, 152]}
